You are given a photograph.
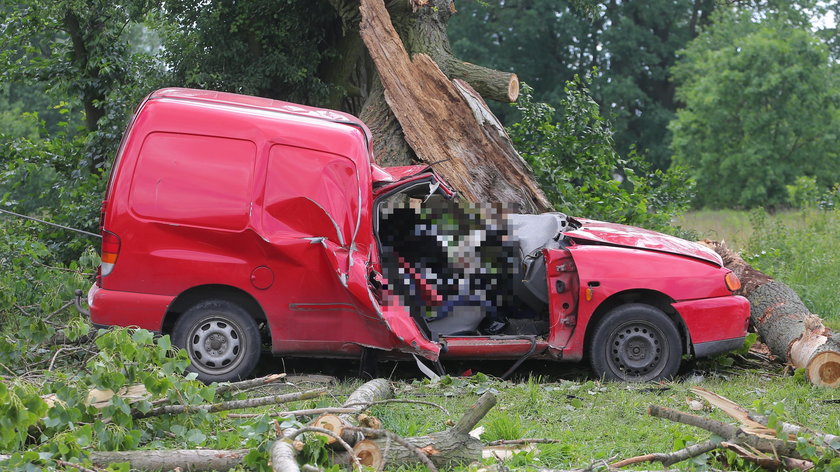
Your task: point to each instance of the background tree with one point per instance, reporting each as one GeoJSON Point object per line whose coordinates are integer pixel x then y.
{"type": "Point", "coordinates": [633, 45]}
{"type": "Point", "coordinates": [264, 48]}
{"type": "Point", "coordinates": [761, 108]}
{"type": "Point", "coordinates": [79, 50]}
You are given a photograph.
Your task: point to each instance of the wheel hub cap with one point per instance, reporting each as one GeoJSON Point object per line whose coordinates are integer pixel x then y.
{"type": "Point", "coordinates": [636, 349]}
{"type": "Point", "coordinates": [215, 345]}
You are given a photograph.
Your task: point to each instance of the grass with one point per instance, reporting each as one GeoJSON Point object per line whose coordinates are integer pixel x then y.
{"type": "Point", "coordinates": [605, 421]}
{"type": "Point", "coordinates": [798, 248]}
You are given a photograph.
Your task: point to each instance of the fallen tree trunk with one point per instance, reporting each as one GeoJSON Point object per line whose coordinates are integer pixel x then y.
{"type": "Point", "coordinates": [445, 449]}
{"type": "Point", "coordinates": [447, 124]}
{"type": "Point", "coordinates": [785, 324]}
{"type": "Point", "coordinates": [358, 401]}
{"type": "Point", "coordinates": [183, 459]}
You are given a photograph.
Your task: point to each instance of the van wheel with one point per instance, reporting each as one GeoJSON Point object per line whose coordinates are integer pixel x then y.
{"type": "Point", "coordinates": [221, 339]}
{"type": "Point", "coordinates": [635, 343]}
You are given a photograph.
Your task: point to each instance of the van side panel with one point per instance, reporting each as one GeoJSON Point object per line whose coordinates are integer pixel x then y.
{"type": "Point", "coordinates": [194, 180]}
{"type": "Point", "coordinates": [197, 201]}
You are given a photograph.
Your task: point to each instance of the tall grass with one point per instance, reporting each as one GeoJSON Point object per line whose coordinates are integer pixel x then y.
{"type": "Point", "coordinates": [799, 248]}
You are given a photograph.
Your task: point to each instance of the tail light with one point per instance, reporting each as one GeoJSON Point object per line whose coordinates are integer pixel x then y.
{"type": "Point", "coordinates": [732, 282]}
{"type": "Point", "coordinates": [110, 251]}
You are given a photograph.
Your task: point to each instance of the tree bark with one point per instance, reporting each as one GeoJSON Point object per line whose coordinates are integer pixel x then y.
{"type": "Point", "coordinates": [184, 459]}
{"type": "Point", "coordinates": [785, 324]}
{"type": "Point", "coordinates": [421, 25]}
{"type": "Point", "coordinates": [447, 124]}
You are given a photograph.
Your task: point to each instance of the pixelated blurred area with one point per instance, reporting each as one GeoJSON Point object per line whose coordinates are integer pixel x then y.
{"type": "Point", "coordinates": [463, 269]}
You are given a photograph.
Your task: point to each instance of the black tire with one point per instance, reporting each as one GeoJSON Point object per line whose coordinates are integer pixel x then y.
{"type": "Point", "coordinates": [635, 343]}
{"type": "Point", "coordinates": [221, 338]}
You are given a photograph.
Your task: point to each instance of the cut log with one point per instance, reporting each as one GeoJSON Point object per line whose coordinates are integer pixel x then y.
{"type": "Point", "coordinates": [474, 155]}
{"type": "Point", "coordinates": [183, 459]}
{"type": "Point", "coordinates": [785, 324]}
{"type": "Point", "coordinates": [370, 392]}
{"type": "Point", "coordinates": [445, 449]}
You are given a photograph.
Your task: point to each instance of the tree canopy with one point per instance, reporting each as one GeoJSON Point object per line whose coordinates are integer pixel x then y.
{"type": "Point", "coordinates": [761, 109]}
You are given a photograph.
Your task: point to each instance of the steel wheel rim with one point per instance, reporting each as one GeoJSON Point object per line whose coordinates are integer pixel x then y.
{"type": "Point", "coordinates": [637, 350]}
{"type": "Point", "coordinates": [216, 345]}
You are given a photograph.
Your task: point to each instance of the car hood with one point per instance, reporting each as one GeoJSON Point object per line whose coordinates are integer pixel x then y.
{"type": "Point", "coordinates": [638, 238]}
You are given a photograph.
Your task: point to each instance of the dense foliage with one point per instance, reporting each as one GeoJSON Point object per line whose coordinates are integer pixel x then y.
{"type": "Point", "coordinates": [762, 108]}
{"type": "Point", "coordinates": [633, 45]}
{"type": "Point", "coordinates": [263, 48]}
{"type": "Point", "coordinates": [575, 162]}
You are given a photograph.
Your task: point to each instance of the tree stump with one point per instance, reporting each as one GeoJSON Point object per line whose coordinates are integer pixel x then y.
{"type": "Point", "coordinates": [360, 399]}
{"type": "Point", "coordinates": [445, 449]}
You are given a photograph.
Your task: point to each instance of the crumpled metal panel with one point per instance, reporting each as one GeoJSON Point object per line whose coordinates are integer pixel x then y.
{"type": "Point", "coordinates": [628, 236]}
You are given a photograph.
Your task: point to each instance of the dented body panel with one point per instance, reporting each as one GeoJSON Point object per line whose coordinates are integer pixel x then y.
{"type": "Point", "coordinates": [274, 205]}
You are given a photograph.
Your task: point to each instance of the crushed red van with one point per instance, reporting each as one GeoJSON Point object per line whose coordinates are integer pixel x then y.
{"type": "Point", "coordinates": [230, 221]}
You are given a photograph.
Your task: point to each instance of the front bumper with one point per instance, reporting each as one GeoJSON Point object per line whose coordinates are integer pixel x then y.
{"type": "Point", "coordinates": [713, 348]}
{"type": "Point", "coordinates": [116, 308]}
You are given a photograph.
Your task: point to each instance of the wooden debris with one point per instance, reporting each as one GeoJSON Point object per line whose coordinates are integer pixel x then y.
{"type": "Point", "coordinates": [249, 384]}
{"type": "Point", "coordinates": [785, 324]}
{"type": "Point", "coordinates": [670, 458]}
{"type": "Point", "coordinates": [444, 449]}
{"type": "Point", "coordinates": [758, 424]}
{"type": "Point", "coordinates": [183, 459]}
{"type": "Point", "coordinates": [752, 439]}
{"type": "Point", "coordinates": [130, 394]}
{"type": "Point", "coordinates": [233, 404]}
{"type": "Point", "coordinates": [370, 392]}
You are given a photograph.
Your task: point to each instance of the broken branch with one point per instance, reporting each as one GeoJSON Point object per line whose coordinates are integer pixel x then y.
{"type": "Point", "coordinates": [249, 384]}
{"type": "Point", "coordinates": [668, 459]}
{"type": "Point", "coordinates": [232, 405]}
{"type": "Point", "coordinates": [184, 459]}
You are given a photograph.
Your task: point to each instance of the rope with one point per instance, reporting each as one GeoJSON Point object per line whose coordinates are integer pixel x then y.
{"type": "Point", "coordinates": [50, 224]}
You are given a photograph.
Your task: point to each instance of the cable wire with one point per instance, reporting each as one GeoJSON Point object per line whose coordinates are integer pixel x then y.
{"type": "Point", "coordinates": [32, 218]}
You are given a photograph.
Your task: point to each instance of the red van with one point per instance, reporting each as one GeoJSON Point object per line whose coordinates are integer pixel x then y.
{"type": "Point", "coordinates": [231, 220]}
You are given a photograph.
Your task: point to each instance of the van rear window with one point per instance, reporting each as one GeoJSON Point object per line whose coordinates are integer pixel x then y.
{"type": "Point", "coordinates": [194, 180]}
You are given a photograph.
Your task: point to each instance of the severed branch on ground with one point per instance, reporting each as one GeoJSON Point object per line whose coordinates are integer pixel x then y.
{"type": "Point", "coordinates": [753, 440]}
{"type": "Point", "coordinates": [183, 459]}
{"type": "Point", "coordinates": [670, 458]}
{"type": "Point", "coordinates": [444, 449]}
{"type": "Point", "coordinates": [232, 404]}
{"type": "Point", "coordinates": [249, 384]}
